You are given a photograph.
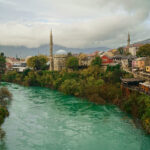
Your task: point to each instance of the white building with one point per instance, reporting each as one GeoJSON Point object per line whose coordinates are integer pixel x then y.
{"type": "Point", "coordinates": [19, 67]}
{"type": "Point", "coordinates": [133, 50]}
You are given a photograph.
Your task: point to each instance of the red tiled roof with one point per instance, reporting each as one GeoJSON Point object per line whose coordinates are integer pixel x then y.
{"type": "Point", "coordinates": [93, 54]}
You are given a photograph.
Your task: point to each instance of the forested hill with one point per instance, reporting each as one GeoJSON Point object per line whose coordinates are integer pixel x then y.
{"type": "Point", "coordinates": [143, 42]}
{"type": "Point", "coordinates": [22, 51]}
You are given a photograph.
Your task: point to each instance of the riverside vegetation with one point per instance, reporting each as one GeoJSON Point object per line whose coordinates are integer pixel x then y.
{"type": "Point", "coordinates": [5, 97]}
{"type": "Point", "coordinates": [92, 83]}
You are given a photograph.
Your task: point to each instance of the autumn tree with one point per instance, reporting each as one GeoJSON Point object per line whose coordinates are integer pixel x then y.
{"type": "Point", "coordinates": [38, 62]}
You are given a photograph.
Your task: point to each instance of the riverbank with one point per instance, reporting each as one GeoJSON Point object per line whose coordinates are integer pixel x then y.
{"type": "Point", "coordinates": [93, 84]}
{"type": "Point", "coordinates": [5, 96]}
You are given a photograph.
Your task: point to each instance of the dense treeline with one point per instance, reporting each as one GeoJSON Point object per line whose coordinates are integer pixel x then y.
{"type": "Point", "coordinates": [76, 82]}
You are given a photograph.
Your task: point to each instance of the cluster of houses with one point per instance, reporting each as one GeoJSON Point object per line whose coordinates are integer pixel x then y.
{"type": "Point", "coordinates": [127, 59]}
{"type": "Point", "coordinates": [15, 64]}
{"type": "Point", "coordinates": [111, 57]}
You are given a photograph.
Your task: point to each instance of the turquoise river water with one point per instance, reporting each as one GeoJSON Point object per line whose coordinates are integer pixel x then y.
{"type": "Point", "coordinates": [43, 119]}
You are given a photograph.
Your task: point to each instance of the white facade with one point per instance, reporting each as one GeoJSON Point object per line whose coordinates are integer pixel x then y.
{"type": "Point", "coordinates": [133, 51]}
{"type": "Point", "coordinates": [19, 67]}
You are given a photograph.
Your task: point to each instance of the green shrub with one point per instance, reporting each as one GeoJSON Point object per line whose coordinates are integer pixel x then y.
{"type": "Point", "coordinates": [71, 87]}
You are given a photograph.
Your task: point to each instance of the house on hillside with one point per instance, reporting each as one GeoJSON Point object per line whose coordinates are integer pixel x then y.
{"type": "Point", "coordinates": [133, 50]}
{"type": "Point", "coordinates": [19, 67]}
{"type": "Point", "coordinates": [118, 58]}
{"type": "Point", "coordinates": [106, 60]}
{"type": "Point", "coordinates": [141, 63]}
{"type": "Point", "coordinates": [90, 57]}
{"type": "Point", "coordinates": [8, 66]}
{"type": "Point", "coordinates": [10, 61]}
{"type": "Point", "coordinates": [126, 62]}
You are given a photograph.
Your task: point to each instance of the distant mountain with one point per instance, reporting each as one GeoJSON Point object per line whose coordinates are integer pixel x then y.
{"type": "Point", "coordinates": [22, 51]}
{"type": "Point", "coordinates": [143, 42]}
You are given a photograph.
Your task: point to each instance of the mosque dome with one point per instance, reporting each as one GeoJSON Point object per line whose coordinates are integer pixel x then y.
{"type": "Point", "coordinates": [61, 52]}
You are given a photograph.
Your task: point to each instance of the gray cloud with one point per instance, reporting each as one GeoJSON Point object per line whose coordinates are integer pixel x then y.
{"type": "Point", "coordinates": [86, 23]}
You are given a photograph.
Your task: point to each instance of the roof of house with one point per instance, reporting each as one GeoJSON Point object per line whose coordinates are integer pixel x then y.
{"type": "Point", "coordinates": [104, 55]}
{"type": "Point", "coordinates": [147, 84]}
{"type": "Point", "coordinates": [129, 80]}
{"type": "Point", "coordinates": [118, 56]}
{"type": "Point", "coordinates": [108, 54]}
{"type": "Point", "coordinates": [129, 57]}
{"type": "Point", "coordinates": [94, 54]}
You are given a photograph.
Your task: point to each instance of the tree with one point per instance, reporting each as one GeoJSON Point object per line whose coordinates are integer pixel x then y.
{"type": "Point", "coordinates": [144, 51]}
{"type": "Point", "coordinates": [97, 61]}
{"type": "Point", "coordinates": [113, 68]}
{"type": "Point", "coordinates": [2, 63]}
{"type": "Point", "coordinates": [120, 49]}
{"type": "Point", "coordinates": [38, 62]}
{"type": "Point", "coordinates": [70, 86]}
{"type": "Point", "coordinates": [72, 63]}
{"type": "Point", "coordinates": [5, 96]}
{"type": "Point", "coordinates": [113, 77]}
{"type": "Point", "coordinates": [69, 54]}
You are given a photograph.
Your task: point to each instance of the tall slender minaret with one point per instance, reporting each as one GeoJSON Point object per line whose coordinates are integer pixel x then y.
{"type": "Point", "coordinates": [51, 67]}
{"type": "Point", "coordinates": [128, 40]}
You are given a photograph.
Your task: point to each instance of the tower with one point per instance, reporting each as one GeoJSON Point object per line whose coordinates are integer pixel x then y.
{"type": "Point", "coordinates": [51, 67]}
{"type": "Point", "coordinates": [128, 40]}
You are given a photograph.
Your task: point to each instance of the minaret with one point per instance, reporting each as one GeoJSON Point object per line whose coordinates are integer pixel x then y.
{"type": "Point", "coordinates": [128, 40]}
{"type": "Point", "coordinates": [51, 67]}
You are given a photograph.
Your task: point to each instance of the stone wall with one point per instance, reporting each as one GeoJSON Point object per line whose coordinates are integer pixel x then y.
{"type": "Point", "coordinates": [59, 62]}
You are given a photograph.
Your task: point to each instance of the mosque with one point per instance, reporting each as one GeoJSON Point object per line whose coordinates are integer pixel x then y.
{"type": "Point", "coordinates": [58, 61]}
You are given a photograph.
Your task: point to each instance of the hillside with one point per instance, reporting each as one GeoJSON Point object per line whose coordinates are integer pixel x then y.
{"type": "Point", "coordinates": [143, 42]}
{"type": "Point", "coordinates": [22, 51]}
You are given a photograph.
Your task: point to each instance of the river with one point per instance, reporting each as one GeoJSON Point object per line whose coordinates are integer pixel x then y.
{"type": "Point", "coordinates": [44, 119]}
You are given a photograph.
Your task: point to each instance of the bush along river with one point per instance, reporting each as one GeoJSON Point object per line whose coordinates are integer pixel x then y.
{"type": "Point", "coordinates": [44, 119]}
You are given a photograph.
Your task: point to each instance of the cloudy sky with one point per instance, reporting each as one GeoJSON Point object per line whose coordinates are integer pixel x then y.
{"type": "Point", "coordinates": [75, 23]}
